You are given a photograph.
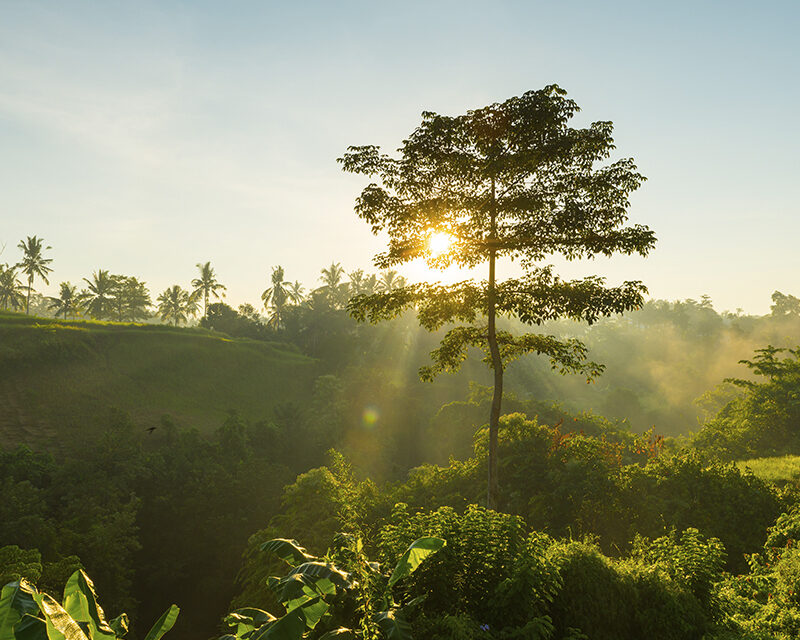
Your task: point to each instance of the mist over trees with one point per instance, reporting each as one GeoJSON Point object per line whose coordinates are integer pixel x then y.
{"type": "Point", "coordinates": [279, 471]}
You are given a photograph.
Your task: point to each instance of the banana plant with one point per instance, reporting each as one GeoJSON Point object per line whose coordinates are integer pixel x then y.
{"type": "Point", "coordinates": [27, 614]}
{"type": "Point", "coordinates": [315, 587]}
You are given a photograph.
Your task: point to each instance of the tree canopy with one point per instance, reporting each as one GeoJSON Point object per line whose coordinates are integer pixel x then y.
{"type": "Point", "coordinates": [510, 180]}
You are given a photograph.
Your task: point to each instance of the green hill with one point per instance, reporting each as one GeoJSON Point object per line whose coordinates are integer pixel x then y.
{"type": "Point", "coordinates": [59, 381]}
{"type": "Point", "coordinates": [779, 469]}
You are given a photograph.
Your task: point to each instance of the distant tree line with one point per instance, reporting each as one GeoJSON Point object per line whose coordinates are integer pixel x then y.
{"type": "Point", "coordinates": [121, 298]}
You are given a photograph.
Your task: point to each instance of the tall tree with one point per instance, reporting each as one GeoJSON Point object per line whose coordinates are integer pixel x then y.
{"type": "Point", "coordinates": [175, 305]}
{"type": "Point", "coordinates": [296, 292]}
{"type": "Point", "coordinates": [510, 180]}
{"type": "Point", "coordinates": [33, 263]}
{"type": "Point", "coordinates": [98, 298]}
{"type": "Point", "coordinates": [333, 289]}
{"type": "Point", "coordinates": [12, 291]}
{"type": "Point", "coordinates": [67, 302]}
{"type": "Point", "coordinates": [276, 297]}
{"type": "Point", "coordinates": [131, 299]}
{"type": "Point", "coordinates": [390, 280]}
{"type": "Point", "coordinates": [207, 285]}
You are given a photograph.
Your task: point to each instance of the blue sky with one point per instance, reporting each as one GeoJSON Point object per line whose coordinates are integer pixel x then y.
{"type": "Point", "coordinates": [146, 137]}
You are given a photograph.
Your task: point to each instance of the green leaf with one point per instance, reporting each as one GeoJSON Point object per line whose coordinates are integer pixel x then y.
{"type": "Point", "coordinates": [318, 570]}
{"type": "Point", "coordinates": [289, 551]}
{"type": "Point", "coordinates": [30, 628]}
{"type": "Point", "coordinates": [60, 625]}
{"type": "Point", "coordinates": [80, 602]}
{"type": "Point", "coordinates": [8, 615]}
{"type": "Point", "coordinates": [312, 609]}
{"type": "Point", "coordinates": [15, 601]}
{"type": "Point", "coordinates": [119, 625]}
{"type": "Point", "coordinates": [292, 626]}
{"type": "Point", "coordinates": [393, 625]}
{"type": "Point", "coordinates": [248, 619]}
{"type": "Point", "coordinates": [341, 633]}
{"type": "Point", "coordinates": [164, 623]}
{"type": "Point", "coordinates": [414, 555]}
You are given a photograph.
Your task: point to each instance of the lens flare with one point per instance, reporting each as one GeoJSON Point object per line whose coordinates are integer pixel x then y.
{"type": "Point", "coordinates": [370, 416]}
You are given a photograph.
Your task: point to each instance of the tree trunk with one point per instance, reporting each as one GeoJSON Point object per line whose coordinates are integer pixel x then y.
{"type": "Point", "coordinates": [497, 365]}
{"type": "Point", "coordinates": [28, 299]}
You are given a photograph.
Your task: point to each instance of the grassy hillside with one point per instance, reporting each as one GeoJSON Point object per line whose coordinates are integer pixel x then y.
{"type": "Point", "coordinates": [60, 380]}
{"type": "Point", "coordinates": [780, 469]}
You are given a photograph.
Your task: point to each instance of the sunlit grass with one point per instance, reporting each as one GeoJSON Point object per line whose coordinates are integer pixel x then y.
{"type": "Point", "coordinates": [777, 469]}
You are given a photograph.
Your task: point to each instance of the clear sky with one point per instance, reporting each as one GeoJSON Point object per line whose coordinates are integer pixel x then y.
{"type": "Point", "coordinates": [144, 137]}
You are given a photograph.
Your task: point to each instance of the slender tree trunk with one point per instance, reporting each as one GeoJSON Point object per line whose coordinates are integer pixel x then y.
{"type": "Point", "coordinates": [28, 299]}
{"type": "Point", "coordinates": [493, 490]}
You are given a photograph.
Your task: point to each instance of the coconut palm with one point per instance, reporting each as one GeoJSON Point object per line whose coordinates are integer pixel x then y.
{"type": "Point", "coordinates": [98, 298]}
{"type": "Point", "coordinates": [67, 302]}
{"type": "Point", "coordinates": [175, 305]}
{"type": "Point", "coordinates": [370, 284]}
{"type": "Point", "coordinates": [12, 291]}
{"type": "Point", "coordinates": [390, 280]}
{"type": "Point", "coordinates": [333, 290]}
{"type": "Point", "coordinates": [207, 285]}
{"type": "Point", "coordinates": [296, 294]}
{"type": "Point", "coordinates": [276, 297]}
{"type": "Point", "coordinates": [357, 279]}
{"type": "Point", "coordinates": [33, 263]}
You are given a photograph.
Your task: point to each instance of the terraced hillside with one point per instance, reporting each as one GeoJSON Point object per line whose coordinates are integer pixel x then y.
{"type": "Point", "coordinates": [60, 381]}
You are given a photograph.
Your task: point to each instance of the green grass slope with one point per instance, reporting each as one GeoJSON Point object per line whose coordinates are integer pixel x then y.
{"type": "Point", "coordinates": [59, 381]}
{"type": "Point", "coordinates": [779, 469]}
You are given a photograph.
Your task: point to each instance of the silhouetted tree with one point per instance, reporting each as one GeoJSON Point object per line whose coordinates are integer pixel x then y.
{"type": "Point", "coordinates": [508, 180]}
{"type": "Point", "coordinates": [333, 289]}
{"type": "Point", "coordinates": [11, 288]}
{"type": "Point", "coordinates": [276, 297]}
{"type": "Point", "coordinates": [33, 263]}
{"type": "Point", "coordinates": [176, 305]}
{"type": "Point", "coordinates": [296, 292]}
{"type": "Point", "coordinates": [784, 305]}
{"type": "Point", "coordinates": [67, 302]}
{"type": "Point", "coordinates": [98, 298]}
{"type": "Point", "coordinates": [390, 280]}
{"type": "Point", "coordinates": [207, 285]}
{"type": "Point", "coordinates": [131, 299]}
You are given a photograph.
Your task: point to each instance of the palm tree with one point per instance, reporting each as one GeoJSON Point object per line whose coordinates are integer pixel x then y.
{"type": "Point", "coordinates": [175, 305]}
{"type": "Point", "coordinates": [390, 281]}
{"type": "Point", "coordinates": [370, 284]}
{"type": "Point", "coordinates": [33, 263]}
{"type": "Point", "coordinates": [356, 282]}
{"type": "Point", "coordinates": [207, 285]}
{"type": "Point", "coordinates": [276, 296]}
{"type": "Point", "coordinates": [98, 299]}
{"type": "Point", "coordinates": [296, 294]}
{"type": "Point", "coordinates": [67, 301]}
{"type": "Point", "coordinates": [12, 291]}
{"type": "Point", "coordinates": [333, 289]}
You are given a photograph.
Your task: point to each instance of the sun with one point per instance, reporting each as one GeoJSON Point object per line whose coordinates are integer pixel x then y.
{"type": "Point", "coordinates": [439, 243]}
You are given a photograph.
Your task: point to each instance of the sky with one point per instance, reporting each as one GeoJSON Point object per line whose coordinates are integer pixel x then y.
{"type": "Point", "coordinates": [145, 137]}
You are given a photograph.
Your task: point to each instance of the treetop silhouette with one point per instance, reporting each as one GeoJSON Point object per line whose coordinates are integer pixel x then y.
{"type": "Point", "coordinates": [510, 180]}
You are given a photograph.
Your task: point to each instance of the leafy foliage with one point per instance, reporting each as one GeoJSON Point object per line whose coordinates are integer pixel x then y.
{"type": "Point", "coordinates": [512, 180]}
{"type": "Point", "coordinates": [28, 614]}
{"type": "Point", "coordinates": [763, 420]}
{"type": "Point", "coordinates": [319, 594]}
